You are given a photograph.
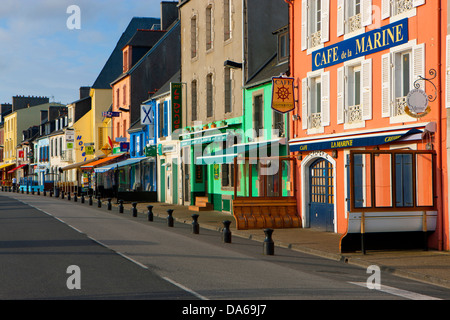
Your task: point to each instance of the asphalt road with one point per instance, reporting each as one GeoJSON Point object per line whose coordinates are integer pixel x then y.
{"type": "Point", "coordinates": [121, 257]}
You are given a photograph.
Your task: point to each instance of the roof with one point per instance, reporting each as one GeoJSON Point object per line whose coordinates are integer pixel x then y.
{"type": "Point", "coordinates": [161, 40]}
{"type": "Point", "coordinates": [269, 70]}
{"type": "Point", "coordinates": [145, 38]}
{"type": "Point", "coordinates": [114, 65]}
{"type": "Point", "coordinates": [165, 89]}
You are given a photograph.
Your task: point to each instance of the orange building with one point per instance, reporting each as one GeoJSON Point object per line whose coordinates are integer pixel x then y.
{"type": "Point", "coordinates": [369, 129]}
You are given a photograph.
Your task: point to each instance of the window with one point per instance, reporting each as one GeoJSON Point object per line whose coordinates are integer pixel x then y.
{"type": "Point", "coordinates": [316, 101]}
{"type": "Point", "coordinates": [209, 23]}
{"type": "Point", "coordinates": [226, 20]}
{"type": "Point", "coordinates": [278, 124]}
{"type": "Point", "coordinates": [228, 81]}
{"type": "Point", "coordinates": [315, 23]}
{"type": "Point", "coordinates": [194, 100]}
{"type": "Point", "coordinates": [399, 72]}
{"type": "Point", "coordinates": [124, 128]}
{"type": "Point", "coordinates": [209, 96]}
{"type": "Point", "coordinates": [395, 7]}
{"type": "Point", "coordinates": [283, 46]}
{"type": "Point", "coordinates": [193, 37]}
{"type": "Point", "coordinates": [124, 95]}
{"type": "Point", "coordinates": [392, 180]}
{"type": "Point", "coordinates": [118, 98]}
{"type": "Point", "coordinates": [258, 112]}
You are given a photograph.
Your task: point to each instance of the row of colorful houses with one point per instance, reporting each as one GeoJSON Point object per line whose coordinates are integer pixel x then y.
{"type": "Point", "coordinates": [183, 112]}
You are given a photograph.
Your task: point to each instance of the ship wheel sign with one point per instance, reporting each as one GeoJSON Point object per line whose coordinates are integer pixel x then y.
{"type": "Point", "coordinates": [418, 101]}
{"type": "Point", "coordinates": [283, 94]}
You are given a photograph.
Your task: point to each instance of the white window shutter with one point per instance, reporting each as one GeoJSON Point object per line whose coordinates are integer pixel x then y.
{"type": "Point", "coordinates": [340, 17]}
{"type": "Point", "coordinates": [418, 65]}
{"type": "Point", "coordinates": [325, 103]}
{"type": "Point", "coordinates": [325, 21]}
{"type": "Point", "coordinates": [386, 85]}
{"type": "Point", "coordinates": [340, 95]}
{"type": "Point", "coordinates": [447, 75]}
{"type": "Point", "coordinates": [304, 32]}
{"type": "Point", "coordinates": [366, 89]}
{"type": "Point", "coordinates": [385, 9]}
{"type": "Point", "coordinates": [305, 84]}
{"type": "Point", "coordinates": [417, 3]}
{"type": "Point", "coordinates": [366, 12]}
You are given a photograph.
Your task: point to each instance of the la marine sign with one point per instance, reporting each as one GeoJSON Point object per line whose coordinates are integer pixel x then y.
{"type": "Point", "coordinates": [389, 36]}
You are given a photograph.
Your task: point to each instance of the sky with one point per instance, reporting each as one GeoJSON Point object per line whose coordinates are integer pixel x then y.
{"type": "Point", "coordinates": [41, 56]}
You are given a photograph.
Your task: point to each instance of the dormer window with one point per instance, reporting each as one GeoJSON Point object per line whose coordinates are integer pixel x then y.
{"type": "Point", "coordinates": [283, 46]}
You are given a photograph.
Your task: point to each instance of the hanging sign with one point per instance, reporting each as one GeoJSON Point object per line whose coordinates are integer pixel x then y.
{"type": "Point", "coordinates": [283, 94]}
{"type": "Point", "coordinates": [176, 90]}
{"type": "Point", "coordinates": [417, 101]}
{"type": "Point", "coordinates": [367, 43]}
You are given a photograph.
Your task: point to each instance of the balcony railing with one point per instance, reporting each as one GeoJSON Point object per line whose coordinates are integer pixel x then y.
{"type": "Point", "coordinates": [315, 120]}
{"type": "Point", "coordinates": [354, 23]}
{"type": "Point", "coordinates": [354, 114]}
{"type": "Point", "coordinates": [316, 39]}
{"type": "Point", "coordinates": [401, 6]}
{"type": "Point", "coordinates": [399, 106]}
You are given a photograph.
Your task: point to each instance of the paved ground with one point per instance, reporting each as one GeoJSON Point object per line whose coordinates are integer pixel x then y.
{"type": "Point", "coordinates": [426, 266]}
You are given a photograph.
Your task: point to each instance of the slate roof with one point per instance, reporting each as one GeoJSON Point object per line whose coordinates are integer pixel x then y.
{"type": "Point", "coordinates": [114, 65]}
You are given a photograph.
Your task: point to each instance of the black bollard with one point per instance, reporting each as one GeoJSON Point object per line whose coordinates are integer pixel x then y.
{"type": "Point", "coordinates": [62, 195]}
{"type": "Point", "coordinates": [39, 192]}
{"type": "Point", "coordinates": [45, 193]}
{"type": "Point", "coordinates": [195, 225]}
{"type": "Point", "coordinates": [226, 234]}
{"type": "Point", "coordinates": [28, 191]}
{"type": "Point", "coordinates": [82, 198]}
{"type": "Point", "coordinates": [75, 197]}
{"type": "Point", "coordinates": [120, 206]}
{"type": "Point", "coordinates": [19, 190]}
{"type": "Point", "coordinates": [134, 204]}
{"type": "Point", "coordinates": [51, 193]}
{"type": "Point", "coordinates": [150, 213]}
{"type": "Point", "coordinates": [90, 200]}
{"type": "Point", "coordinates": [170, 218]}
{"type": "Point", "coordinates": [68, 196]}
{"type": "Point", "coordinates": [109, 204]}
{"type": "Point", "coordinates": [32, 192]}
{"type": "Point", "coordinates": [99, 202]}
{"type": "Point", "coordinates": [269, 246]}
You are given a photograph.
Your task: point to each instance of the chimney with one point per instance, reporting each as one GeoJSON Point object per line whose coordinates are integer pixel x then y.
{"type": "Point", "coordinates": [84, 92]}
{"type": "Point", "coordinates": [169, 14]}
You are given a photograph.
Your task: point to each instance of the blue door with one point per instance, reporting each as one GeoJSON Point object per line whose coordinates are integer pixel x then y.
{"type": "Point", "coordinates": [321, 205]}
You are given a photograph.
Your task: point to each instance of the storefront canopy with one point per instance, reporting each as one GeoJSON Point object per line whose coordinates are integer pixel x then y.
{"type": "Point", "coordinates": [228, 155]}
{"type": "Point", "coordinates": [17, 168]}
{"type": "Point", "coordinates": [351, 141]}
{"type": "Point", "coordinates": [97, 163]}
{"type": "Point", "coordinates": [79, 164]}
{"type": "Point", "coordinates": [6, 166]}
{"type": "Point", "coordinates": [118, 165]}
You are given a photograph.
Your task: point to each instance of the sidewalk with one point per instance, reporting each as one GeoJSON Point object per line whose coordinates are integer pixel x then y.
{"type": "Point", "coordinates": [425, 266]}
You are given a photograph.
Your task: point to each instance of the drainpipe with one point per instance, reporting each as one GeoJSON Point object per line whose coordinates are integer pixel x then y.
{"type": "Point", "coordinates": [441, 216]}
{"type": "Point", "coordinates": [291, 57]}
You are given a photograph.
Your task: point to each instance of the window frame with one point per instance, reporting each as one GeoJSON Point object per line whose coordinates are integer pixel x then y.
{"type": "Point", "coordinates": [394, 207]}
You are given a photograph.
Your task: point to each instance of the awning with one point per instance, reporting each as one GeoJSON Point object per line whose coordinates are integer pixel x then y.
{"type": "Point", "coordinates": [17, 168]}
{"type": "Point", "coordinates": [118, 165]}
{"type": "Point", "coordinates": [228, 155]}
{"type": "Point", "coordinates": [351, 141]}
{"type": "Point", "coordinates": [79, 164]}
{"type": "Point", "coordinates": [204, 139]}
{"type": "Point", "coordinates": [6, 166]}
{"type": "Point", "coordinates": [101, 161]}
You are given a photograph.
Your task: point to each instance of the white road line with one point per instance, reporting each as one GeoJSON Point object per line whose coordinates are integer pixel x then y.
{"type": "Point", "coordinates": [398, 292]}
{"type": "Point", "coordinates": [185, 289]}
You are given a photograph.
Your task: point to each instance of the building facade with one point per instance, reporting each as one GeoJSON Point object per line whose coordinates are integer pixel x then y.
{"type": "Point", "coordinates": [369, 160]}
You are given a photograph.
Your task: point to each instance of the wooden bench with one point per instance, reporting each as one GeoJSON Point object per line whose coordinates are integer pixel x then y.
{"type": "Point", "coordinates": [262, 213]}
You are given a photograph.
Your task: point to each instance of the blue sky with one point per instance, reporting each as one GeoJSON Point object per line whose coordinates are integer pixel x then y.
{"type": "Point", "coordinates": [40, 56]}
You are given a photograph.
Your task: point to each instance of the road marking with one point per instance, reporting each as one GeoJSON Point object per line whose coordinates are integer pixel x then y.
{"type": "Point", "coordinates": [398, 292]}
{"type": "Point", "coordinates": [185, 289]}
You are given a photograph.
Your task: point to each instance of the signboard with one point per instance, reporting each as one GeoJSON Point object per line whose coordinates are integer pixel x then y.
{"type": "Point", "coordinates": [121, 139]}
{"type": "Point", "coordinates": [176, 90]}
{"type": "Point", "coordinates": [124, 146]}
{"type": "Point", "coordinates": [367, 43]}
{"type": "Point", "coordinates": [70, 136]}
{"type": "Point", "coordinates": [106, 149]}
{"type": "Point", "coordinates": [283, 94]}
{"type": "Point", "coordinates": [417, 101]}
{"type": "Point", "coordinates": [147, 115]}
{"type": "Point", "coordinates": [111, 114]}
{"type": "Point", "coordinates": [69, 146]}
{"type": "Point", "coordinates": [203, 140]}
{"type": "Point", "coordinates": [89, 150]}
{"type": "Point", "coordinates": [150, 151]}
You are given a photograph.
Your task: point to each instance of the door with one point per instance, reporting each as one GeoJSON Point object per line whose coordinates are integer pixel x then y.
{"type": "Point", "coordinates": [163, 181]}
{"type": "Point", "coordinates": [174, 183]}
{"type": "Point", "coordinates": [321, 205]}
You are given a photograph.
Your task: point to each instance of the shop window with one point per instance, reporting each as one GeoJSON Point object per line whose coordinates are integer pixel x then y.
{"type": "Point", "coordinates": [258, 113]}
{"type": "Point", "coordinates": [393, 179]}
